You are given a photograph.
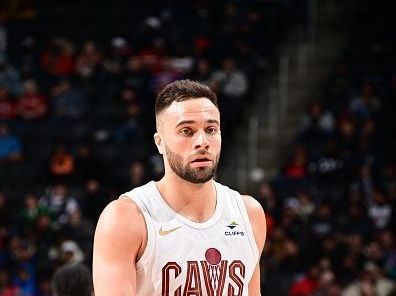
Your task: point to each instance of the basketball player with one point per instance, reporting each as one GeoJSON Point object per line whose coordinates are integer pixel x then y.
{"type": "Point", "coordinates": [185, 234]}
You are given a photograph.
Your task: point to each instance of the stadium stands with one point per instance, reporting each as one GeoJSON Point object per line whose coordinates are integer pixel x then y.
{"type": "Point", "coordinates": [332, 208]}
{"type": "Point", "coordinates": [77, 89]}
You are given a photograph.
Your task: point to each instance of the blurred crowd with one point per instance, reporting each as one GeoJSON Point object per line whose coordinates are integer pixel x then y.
{"type": "Point", "coordinates": [76, 125]}
{"type": "Point", "coordinates": [77, 93]}
{"type": "Point", "coordinates": [332, 210]}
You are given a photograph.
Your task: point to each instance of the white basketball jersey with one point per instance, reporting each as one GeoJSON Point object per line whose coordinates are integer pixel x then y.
{"type": "Point", "coordinates": [182, 257]}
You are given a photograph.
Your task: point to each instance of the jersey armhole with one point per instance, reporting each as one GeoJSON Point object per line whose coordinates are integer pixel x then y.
{"type": "Point", "coordinates": [149, 249]}
{"type": "Point", "coordinates": [248, 225]}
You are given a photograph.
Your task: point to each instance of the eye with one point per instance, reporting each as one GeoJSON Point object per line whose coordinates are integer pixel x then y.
{"type": "Point", "coordinates": [186, 132]}
{"type": "Point", "coordinates": [211, 130]}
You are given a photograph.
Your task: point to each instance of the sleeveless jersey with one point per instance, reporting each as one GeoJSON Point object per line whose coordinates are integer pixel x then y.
{"type": "Point", "coordinates": [182, 257]}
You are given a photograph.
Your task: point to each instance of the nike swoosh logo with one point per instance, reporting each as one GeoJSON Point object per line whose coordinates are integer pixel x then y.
{"type": "Point", "coordinates": [163, 232]}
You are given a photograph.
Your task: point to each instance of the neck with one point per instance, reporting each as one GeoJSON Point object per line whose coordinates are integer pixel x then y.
{"type": "Point", "coordinates": [196, 202]}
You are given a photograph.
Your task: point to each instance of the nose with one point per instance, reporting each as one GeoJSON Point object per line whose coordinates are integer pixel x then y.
{"type": "Point", "coordinates": [201, 140]}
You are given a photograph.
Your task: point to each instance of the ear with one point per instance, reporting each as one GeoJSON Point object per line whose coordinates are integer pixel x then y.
{"type": "Point", "coordinates": [158, 143]}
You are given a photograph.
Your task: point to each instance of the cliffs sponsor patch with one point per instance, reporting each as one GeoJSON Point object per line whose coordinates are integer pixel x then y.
{"type": "Point", "coordinates": [234, 231]}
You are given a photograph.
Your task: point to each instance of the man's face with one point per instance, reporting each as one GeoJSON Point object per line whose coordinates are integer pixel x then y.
{"type": "Point", "coordinates": [190, 140]}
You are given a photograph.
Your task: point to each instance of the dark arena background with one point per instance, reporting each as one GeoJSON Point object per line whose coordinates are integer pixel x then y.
{"type": "Point", "coordinates": [307, 91]}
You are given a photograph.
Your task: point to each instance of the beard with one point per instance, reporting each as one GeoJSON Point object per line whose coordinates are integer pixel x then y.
{"type": "Point", "coordinates": [197, 175]}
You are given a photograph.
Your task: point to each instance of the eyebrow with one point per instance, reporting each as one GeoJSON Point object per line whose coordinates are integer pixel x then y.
{"type": "Point", "coordinates": [183, 122]}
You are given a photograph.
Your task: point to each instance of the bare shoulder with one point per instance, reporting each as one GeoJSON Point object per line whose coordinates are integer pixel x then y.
{"type": "Point", "coordinates": [121, 222]}
{"type": "Point", "coordinates": [255, 211]}
{"type": "Point", "coordinates": [254, 208]}
{"type": "Point", "coordinates": [257, 219]}
{"type": "Point", "coordinates": [121, 213]}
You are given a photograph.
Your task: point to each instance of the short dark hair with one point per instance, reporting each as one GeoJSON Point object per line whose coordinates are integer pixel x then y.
{"type": "Point", "coordinates": [72, 280]}
{"type": "Point", "coordinates": [182, 90]}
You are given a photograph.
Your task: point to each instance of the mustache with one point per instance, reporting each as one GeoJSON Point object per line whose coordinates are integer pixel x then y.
{"type": "Point", "coordinates": [202, 153]}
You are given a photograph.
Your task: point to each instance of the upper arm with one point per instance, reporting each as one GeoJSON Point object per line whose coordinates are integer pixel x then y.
{"type": "Point", "coordinates": [257, 220]}
{"type": "Point", "coordinates": [118, 239]}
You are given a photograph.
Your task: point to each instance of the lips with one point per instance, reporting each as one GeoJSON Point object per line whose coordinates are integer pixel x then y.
{"type": "Point", "coordinates": [201, 159]}
{"type": "Point", "coordinates": [201, 162]}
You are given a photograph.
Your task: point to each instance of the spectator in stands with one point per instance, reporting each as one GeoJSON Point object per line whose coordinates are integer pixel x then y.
{"type": "Point", "coordinates": [10, 146]}
{"type": "Point", "coordinates": [364, 183]}
{"type": "Point", "coordinates": [95, 199]}
{"type": "Point", "coordinates": [62, 165]}
{"type": "Point", "coordinates": [322, 222]}
{"type": "Point", "coordinates": [60, 203]}
{"type": "Point", "coordinates": [164, 76]}
{"type": "Point", "coordinates": [137, 174]}
{"type": "Point", "coordinates": [136, 76]}
{"type": "Point", "coordinates": [266, 197]}
{"type": "Point", "coordinates": [371, 139]}
{"type": "Point", "coordinates": [113, 62]}
{"type": "Point", "coordinates": [4, 227]}
{"type": "Point", "coordinates": [371, 282]}
{"type": "Point", "coordinates": [289, 221]}
{"type": "Point", "coordinates": [8, 108]}
{"type": "Point", "coordinates": [346, 137]}
{"type": "Point", "coordinates": [307, 285]}
{"type": "Point", "coordinates": [3, 32]}
{"type": "Point", "coordinates": [58, 59]}
{"type": "Point", "coordinates": [45, 234]}
{"type": "Point", "coordinates": [129, 96]}
{"type": "Point", "coordinates": [86, 165]}
{"type": "Point", "coordinates": [352, 258]}
{"type": "Point", "coordinates": [373, 252]}
{"type": "Point", "coordinates": [306, 207]}
{"type": "Point", "coordinates": [331, 251]}
{"type": "Point", "coordinates": [70, 253]}
{"type": "Point", "coordinates": [31, 213]}
{"type": "Point", "coordinates": [202, 71]}
{"type": "Point", "coordinates": [29, 62]}
{"type": "Point", "coordinates": [22, 254]}
{"type": "Point", "coordinates": [181, 62]}
{"type": "Point", "coordinates": [88, 60]}
{"type": "Point", "coordinates": [68, 103]}
{"type": "Point", "coordinates": [369, 130]}
{"type": "Point", "coordinates": [73, 280]}
{"type": "Point", "coordinates": [232, 86]}
{"type": "Point", "coordinates": [282, 263]}
{"type": "Point", "coordinates": [388, 244]}
{"type": "Point", "coordinates": [317, 124]}
{"type": "Point", "coordinates": [366, 104]}
{"type": "Point", "coordinates": [289, 254]}
{"type": "Point", "coordinates": [357, 222]}
{"type": "Point", "coordinates": [5, 260]}
{"type": "Point", "coordinates": [32, 105]}
{"type": "Point", "coordinates": [44, 286]}
{"type": "Point", "coordinates": [9, 76]}
{"type": "Point", "coordinates": [296, 167]}
{"type": "Point", "coordinates": [327, 285]}
{"type": "Point", "coordinates": [80, 230]}
{"type": "Point", "coordinates": [230, 81]}
{"type": "Point", "coordinates": [152, 54]}
{"type": "Point", "coordinates": [380, 210]}
{"type": "Point", "coordinates": [130, 130]}
{"type": "Point", "coordinates": [7, 287]}
{"type": "Point", "coordinates": [25, 281]}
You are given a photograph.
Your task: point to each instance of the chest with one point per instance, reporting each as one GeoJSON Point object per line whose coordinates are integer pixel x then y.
{"type": "Point", "coordinates": [213, 259]}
